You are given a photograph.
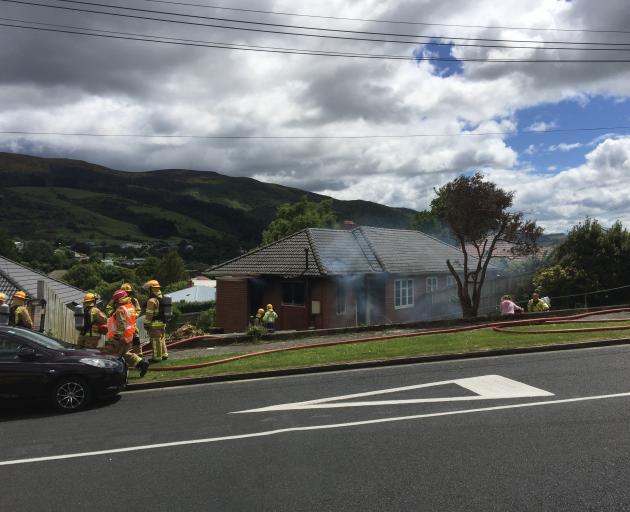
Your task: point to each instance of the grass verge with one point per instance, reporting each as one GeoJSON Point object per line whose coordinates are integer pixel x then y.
{"type": "Point", "coordinates": [471, 341]}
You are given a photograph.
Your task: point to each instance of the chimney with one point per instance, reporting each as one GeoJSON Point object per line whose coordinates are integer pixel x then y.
{"type": "Point", "coordinates": [348, 225]}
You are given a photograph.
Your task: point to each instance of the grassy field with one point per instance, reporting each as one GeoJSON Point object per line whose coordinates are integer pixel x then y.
{"type": "Point", "coordinates": [471, 341]}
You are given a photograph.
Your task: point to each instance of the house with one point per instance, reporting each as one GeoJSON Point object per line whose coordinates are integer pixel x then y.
{"type": "Point", "coordinates": [325, 278]}
{"type": "Point", "coordinates": [195, 293]}
{"type": "Point", "coordinates": [50, 299]}
{"type": "Point", "coordinates": [203, 281]}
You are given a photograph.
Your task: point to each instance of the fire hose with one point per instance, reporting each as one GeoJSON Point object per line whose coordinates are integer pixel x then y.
{"type": "Point", "coordinates": [496, 326]}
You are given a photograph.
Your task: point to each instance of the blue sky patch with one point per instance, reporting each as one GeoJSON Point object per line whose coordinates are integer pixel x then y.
{"type": "Point", "coordinates": [440, 68]}
{"type": "Point", "coordinates": [553, 152]}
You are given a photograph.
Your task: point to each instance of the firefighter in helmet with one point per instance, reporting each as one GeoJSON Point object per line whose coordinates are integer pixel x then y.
{"type": "Point", "coordinates": [136, 345]}
{"type": "Point", "coordinates": [94, 322]}
{"type": "Point", "coordinates": [3, 298]}
{"type": "Point", "coordinates": [121, 327]}
{"type": "Point", "coordinates": [19, 315]}
{"type": "Point", "coordinates": [154, 320]}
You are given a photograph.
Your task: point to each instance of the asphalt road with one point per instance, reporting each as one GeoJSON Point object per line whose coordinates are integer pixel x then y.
{"type": "Point", "coordinates": [526, 432]}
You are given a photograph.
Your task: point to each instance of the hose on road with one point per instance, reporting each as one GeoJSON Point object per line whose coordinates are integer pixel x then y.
{"type": "Point", "coordinates": [497, 326]}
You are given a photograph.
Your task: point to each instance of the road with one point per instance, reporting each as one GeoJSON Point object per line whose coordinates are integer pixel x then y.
{"type": "Point", "coordinates": [544, 431]}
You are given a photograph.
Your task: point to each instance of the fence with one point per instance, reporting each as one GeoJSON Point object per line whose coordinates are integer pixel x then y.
{"type": "Point", "coordinates": [59, 319]}
{"type": "Point", "coordinates": [444, 304]}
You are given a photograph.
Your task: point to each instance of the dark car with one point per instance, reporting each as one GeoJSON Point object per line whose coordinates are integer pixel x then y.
{"type": "Point", "coordinates": [33, 365]}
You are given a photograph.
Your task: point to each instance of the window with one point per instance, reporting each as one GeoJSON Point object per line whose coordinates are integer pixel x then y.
{"type": "Point", "coordinates": [341, 299]}
{"type": "Point", "coordinates": [8, 348]}
{"type": "Point", "coordinates": [293, 294]}
{"type": "Point", "coordinates": [403, 293]}
{"type": "Point", "coordinates": [432, 284]}
{"type": "Point", "coordinates": [450, 281]}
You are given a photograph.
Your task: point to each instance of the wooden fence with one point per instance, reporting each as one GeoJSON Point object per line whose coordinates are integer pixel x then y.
{"type": "Point", "coordinates": [59, 319]}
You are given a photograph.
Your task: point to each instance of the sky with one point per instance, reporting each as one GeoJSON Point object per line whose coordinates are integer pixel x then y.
{"type": "Point", "coordinates": [507, 120]}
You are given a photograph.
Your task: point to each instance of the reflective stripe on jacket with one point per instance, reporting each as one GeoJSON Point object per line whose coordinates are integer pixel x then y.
{"type": "Point", "coordinates": [122, 323]}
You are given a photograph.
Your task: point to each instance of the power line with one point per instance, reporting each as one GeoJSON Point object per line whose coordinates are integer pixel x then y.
{"type": "Point", "coordinates": [232, 46]}
{"type": "Point", "coordinates": [395, 22]}
{"type": "Point", "coordinates": [314, 137]}
{"type": "Point", "coordinates": [430, 37]}
{"type": "Point", "coordinates": [298, 49]}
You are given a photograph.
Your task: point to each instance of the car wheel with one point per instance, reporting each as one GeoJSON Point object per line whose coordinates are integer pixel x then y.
{"type": "Point", "coordinates": [71, 394]}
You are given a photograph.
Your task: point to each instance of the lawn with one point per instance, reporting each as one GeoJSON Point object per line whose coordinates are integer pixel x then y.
{"type": "Point", "coordinates": [470, 341]}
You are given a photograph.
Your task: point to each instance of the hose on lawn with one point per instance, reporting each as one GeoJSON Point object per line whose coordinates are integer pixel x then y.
{"type": "Point", "coordinates": [497, 326]}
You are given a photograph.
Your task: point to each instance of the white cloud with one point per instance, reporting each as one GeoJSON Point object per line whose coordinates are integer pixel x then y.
{"type": "Point", "coordinates": [541, 126]}
{"type": "Point", "coordinates": [564, 147]}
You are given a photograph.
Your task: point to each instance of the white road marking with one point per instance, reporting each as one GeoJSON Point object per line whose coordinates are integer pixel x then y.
{"type": "Point", "coordinates": [446, 362]}
{"type": "Point", "coordinates": [486, 387]}
{"type": "Point", "coordinates": [303, 429]}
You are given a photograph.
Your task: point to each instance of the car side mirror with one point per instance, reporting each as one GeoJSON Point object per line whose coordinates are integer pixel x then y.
{"type": "Point", "coordinates": [27, 353]}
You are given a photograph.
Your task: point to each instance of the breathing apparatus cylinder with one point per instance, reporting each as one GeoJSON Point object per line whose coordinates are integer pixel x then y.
{"type": "Point", "coordinates": [79, 320]}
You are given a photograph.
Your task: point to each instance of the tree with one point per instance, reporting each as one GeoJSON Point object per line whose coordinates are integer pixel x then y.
{"type": "Point", "coordinates": [172, 269]}
{"type": "Point", "coordinates": [7, 246]}
{"type": "Point", "coordinates": [303, 214]}
{"type": "Point", "coordinates": [84, 275]}
{"type": "Point", "coordinates": [149, 268]}
{"type": "Point", "coordinates": [477, 213]}
{"type": "Point", "coordinates": [591, 258]}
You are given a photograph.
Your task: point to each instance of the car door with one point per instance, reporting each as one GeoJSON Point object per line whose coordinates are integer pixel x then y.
{"type": "Point", "coordinates": [24, 368]}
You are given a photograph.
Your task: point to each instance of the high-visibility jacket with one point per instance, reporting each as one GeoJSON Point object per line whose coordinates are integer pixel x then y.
{"type": "Point", "coordinates": [122, 323]}
{"type": "Point", "coordinates": [20, 317]}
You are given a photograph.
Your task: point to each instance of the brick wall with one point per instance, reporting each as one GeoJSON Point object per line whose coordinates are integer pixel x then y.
{"type": "Point", "coordinates": [232, 305]}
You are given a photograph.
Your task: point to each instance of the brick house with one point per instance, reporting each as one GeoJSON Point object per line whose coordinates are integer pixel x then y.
{"type": "Point", "coordinates": [325, 278]}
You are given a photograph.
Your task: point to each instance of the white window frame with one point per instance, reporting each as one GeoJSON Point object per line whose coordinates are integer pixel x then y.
{"type": "Point", "coordinates": [341, 293]}
{"type": "Point", "coordinates": [450, 281]}
{"type": "Point", "coordinates": [403, 293]}
{"type": "Point", "coordinates": [431, 284]}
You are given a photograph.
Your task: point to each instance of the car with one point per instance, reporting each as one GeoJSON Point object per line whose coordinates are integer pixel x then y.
{"type": "Point", "coordinates": [36, 366]}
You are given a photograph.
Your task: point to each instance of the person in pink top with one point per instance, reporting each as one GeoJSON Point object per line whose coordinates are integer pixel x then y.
{"type": "Point", "coordinates": [508, 308]}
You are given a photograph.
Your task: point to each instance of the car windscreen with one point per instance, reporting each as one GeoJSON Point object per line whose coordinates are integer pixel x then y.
{"type": "Point", "coordinates": [41, 339]}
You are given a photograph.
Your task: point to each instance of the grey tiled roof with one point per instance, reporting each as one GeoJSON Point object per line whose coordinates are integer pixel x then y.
{"type": "Point", "coordinates": [401, 251]}
{"type": "Point", "coordinates": [334, 251]}
{"type": "Point", "coordinates": [284, 257]}
{"type": "Point", "coordinates": [14, 276]}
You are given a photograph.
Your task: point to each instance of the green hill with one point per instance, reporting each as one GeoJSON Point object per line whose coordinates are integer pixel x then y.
{"type": "Point", "coordinates": [76, 201]}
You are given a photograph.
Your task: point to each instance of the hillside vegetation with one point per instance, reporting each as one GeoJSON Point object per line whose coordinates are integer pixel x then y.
{"type": "Point", "coordinates": [75, 201]}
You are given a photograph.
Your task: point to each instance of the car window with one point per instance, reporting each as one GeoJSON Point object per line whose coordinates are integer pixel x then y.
{"type": "Point", "coordinates": [41, 339]}
{"type": "Point", "coordinates": [8, 348]}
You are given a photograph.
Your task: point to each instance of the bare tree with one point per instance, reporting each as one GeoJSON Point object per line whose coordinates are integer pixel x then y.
{"type": "Point", "coordinates": [477, 213]}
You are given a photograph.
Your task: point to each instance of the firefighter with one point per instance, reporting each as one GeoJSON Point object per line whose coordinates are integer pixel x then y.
{"type": "Point", "coordinates": [154, 320]}
{"type": "Point", "coordinates": [536, 305]}
{"type": "Point", "coordinates": [19, 315]}
{"type": "Point", "coordinates": [94, 322]}
{"type": "Point", "coordinates": [259, 317]}
{"type": "Point", "coordinates": [270, 318]}
{"type": "Point", "coordinates": [121, 327]}
{"type": "Point", "coordinates": [3, 298]}
{"type": "Point", "coordinates": [136, 345]}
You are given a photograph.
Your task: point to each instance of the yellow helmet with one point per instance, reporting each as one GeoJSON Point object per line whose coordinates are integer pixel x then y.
{"type": "Point", "coordinates": [153, 283]}
{"type": "Point", "coordinates": [89, 297]}
{"type": "Point", "coordinates": [269, 306]}
{"type": "Point", "coordinates": [20, 294]}
{"type": "Point", "coordinates": [127, 287]}
{"type": "Point", "coordinates": [3, 297]}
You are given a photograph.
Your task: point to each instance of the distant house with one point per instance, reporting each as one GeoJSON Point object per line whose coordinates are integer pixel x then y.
{"type": "Point", "coordinates": [324, 278]}
{"type": "Point", "coordinates": [50, 299]}
{"type": "Point", "coordinates": [505, 251]}
{"type": "Point", "coordinates": [193, 294]}
{"type": "Point", "coordinates": [203, 281]}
